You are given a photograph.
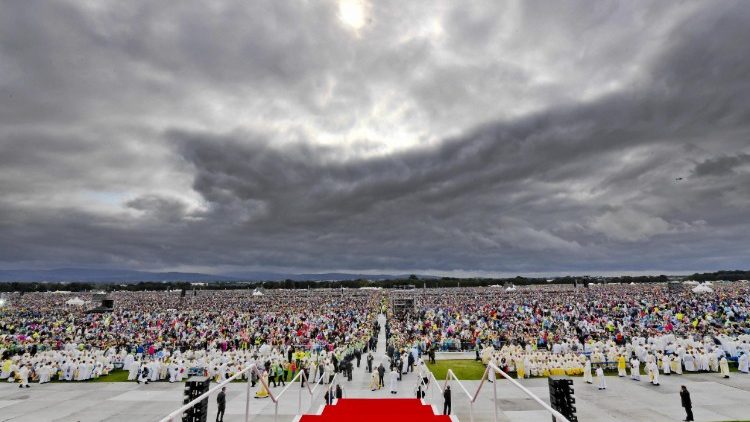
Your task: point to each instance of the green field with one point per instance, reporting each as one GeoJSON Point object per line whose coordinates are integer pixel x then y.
{"type": "Point", "coordinates": [117, 375]}
{"type": "Point", "coordinates": [464, 369]}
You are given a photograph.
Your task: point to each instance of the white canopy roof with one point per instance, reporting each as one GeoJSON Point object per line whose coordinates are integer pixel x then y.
{"type": "Point", "coordinates": [702, 289]}
{"type": "Point", "coordinates": [76, 301]}
{"type": "Point", "coordinates": [257, 293]}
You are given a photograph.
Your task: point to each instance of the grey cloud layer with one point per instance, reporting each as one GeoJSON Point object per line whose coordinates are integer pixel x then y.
{"type": "Point", "coordinates": [616, 138]}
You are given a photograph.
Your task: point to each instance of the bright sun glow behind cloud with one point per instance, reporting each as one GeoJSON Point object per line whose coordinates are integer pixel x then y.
{"type": "Point", "coordinates": [352, 13]}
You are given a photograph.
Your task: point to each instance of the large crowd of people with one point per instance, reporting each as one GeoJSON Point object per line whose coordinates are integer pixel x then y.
{"type": "Point", "coordinates": [532, 331]}
{"type": "Point", "coordinates": [559, 330]}
{"type": "Point", "coordinates": [169, 336]}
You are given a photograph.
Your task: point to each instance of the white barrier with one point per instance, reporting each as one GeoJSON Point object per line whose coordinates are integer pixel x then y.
{"type": "Point", "coordinates": [176, 415]}
{"type": "Point", "coordinates": [491, 368]}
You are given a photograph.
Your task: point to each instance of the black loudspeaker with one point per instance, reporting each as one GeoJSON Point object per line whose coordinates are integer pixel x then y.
{"type": "Point", "coordinates": [182, 293]}
{"type": "Point", "coordinates": [194, 388]}
{"type": "Point", "coordinates": [561, 397]}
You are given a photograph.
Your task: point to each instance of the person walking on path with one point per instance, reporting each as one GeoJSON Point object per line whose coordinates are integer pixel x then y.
{"type": "Point", "coordinates": [381, 376]}
{"type": "Point", "coordinates": [447, 400]}
{"type": "Point", "coordinates": [221, 401]}
{"type": "Point", "coordinates": [686, 403]}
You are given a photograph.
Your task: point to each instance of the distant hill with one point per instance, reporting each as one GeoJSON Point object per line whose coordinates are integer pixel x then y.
{"type": "Point", "coordinates": [130, 276]}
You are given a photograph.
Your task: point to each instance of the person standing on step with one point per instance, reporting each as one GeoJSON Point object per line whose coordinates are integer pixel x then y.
{"type": "Point", "coordinates": [221, 402]}
{"type": "Point", "coordinates": [358, 356]}
{"type": "Point", "coordinates": [329, 396]}
{"type": "Point", "coordinates": [686, 403]}
{"type": "Point", "coordinates": [447, 400]}
{"type": "Point", "coordinates": [369, 362]}
{"type": "Point", "coordinates": [339, 392]}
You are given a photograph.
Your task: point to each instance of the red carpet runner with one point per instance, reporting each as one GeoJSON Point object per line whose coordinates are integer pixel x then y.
{"type": "Point", "coordinates": [376, 410]}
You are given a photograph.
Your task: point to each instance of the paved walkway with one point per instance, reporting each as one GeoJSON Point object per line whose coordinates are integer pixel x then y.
{"type": "Point", "coordinates": [714, 399]}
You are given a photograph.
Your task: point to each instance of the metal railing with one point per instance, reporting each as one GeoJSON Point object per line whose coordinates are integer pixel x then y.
{"type": "Point", "coordinates": [176, 415]}
{"type": "Point", "coordinates": [493, 370]}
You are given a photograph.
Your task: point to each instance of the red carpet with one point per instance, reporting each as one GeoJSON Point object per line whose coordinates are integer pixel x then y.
{"type": "Point", "coordinates": [376, 410]}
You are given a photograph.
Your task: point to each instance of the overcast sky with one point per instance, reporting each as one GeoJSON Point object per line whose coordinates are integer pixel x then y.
{"type": "Point", "coordinates": [444, 137]}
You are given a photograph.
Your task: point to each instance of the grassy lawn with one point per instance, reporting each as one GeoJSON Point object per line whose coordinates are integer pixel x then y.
{"type": "Point", "coordinates": [113, 376]}
{"type": "Point", "coordinates": [466, 369]}
{"type": "Point", "coordinates": [463, 368]}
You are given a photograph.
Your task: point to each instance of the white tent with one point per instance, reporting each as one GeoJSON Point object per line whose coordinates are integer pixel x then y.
{"type": "Point", "coordinates": [495, 286]}
{"type": "Point", "coordinates": [76, 301]}
{"type": "Point", "coordinates": [510, 289]}
{"type": "Point", "coordinates": [257, 293]}
{"type": "Point", "coordinates": [702, 289]}
{"type": "Point", "coordinates": [693, 282]}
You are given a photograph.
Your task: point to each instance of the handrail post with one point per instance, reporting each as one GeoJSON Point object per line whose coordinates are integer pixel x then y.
{"type": "Point", "coordinates": [494, 389]}
{"type": "Point", "coordinates": [299, 399]}
{"type": "Point", "coordinates": [247, 400]}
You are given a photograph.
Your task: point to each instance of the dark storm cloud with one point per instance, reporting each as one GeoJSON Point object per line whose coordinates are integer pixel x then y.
{"type": "Point", "coordinates": [256, 135]}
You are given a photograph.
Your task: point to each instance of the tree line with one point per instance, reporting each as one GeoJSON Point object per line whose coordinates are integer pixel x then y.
{"type": "Point", "coordinates": [410, 282]}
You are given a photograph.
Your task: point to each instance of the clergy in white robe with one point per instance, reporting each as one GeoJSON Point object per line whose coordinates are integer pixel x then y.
{"type": "Point", "coordinates": [44, 374]}
{"type": "Point", "coordinates": [587, 372]}
{"type": "Point", "coordinates": [67, 371]}
{"type": "Point", "coordinates": [153, 371]}
{"type": "Point", "coordinates": [743, 364]}
{"type": "Point", "coordinates": [600, 378]}
{"type": "Point", "coordinates": [635, 369]}
{"type": "Point", "coordinates": [724, 367]}
{"type": "Point", "coordinates": [394, 381]}
{"type": "Point", "coordinates": [689, 361]}
{"type": "Point", "coordinates": [174, 372]}
{"type": "Point", "coordinates": [133, 370]}
{"type": "Point", "coordinates": [666, 364]}
{"type": "Point", "coordinates": [23, 376]}
{"type": "Point", "coordinates": [654, 371]}
{"type": "Point", "coordinates": [128, 362]}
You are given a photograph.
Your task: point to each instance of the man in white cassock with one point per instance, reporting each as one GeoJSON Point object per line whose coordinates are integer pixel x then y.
{"type": "Point", "coordinates": [394, 381]}
{"type": "Point", "coordinates": [742, 364]}
{"type": "Point", "coordinates": [153, 370]}
{"type": "Point", "coordinates": [174, 372]}
{"type": "Point", "coordinates": [666, 364]}
{"type": "Point", "coordinates": [587, 372]}
{"type": "Point", "coordinates": [635, 369]}
{"type": "Point", "coordinates": [67, 371]}
{"type": "Point", "coordinates": [44, 374]}
{"type": "Point", "coordinates": [654, 370]}
{"type": "Point", "coordinates": [23, 376]}
{"type": "Point", "coordinates": [724, 367]}
{"type": "Point", "coordinates": [600, 378]}
{"type": "Point", "coordinates": [133, 370]}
